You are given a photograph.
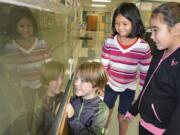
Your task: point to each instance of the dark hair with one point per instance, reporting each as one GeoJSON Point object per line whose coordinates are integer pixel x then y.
{"type": "Point", "coordinates": [15, 15]}
{"type": "Point", "coordinates": [170, 12]}
{"type": "Point", "coordinates": [131, 12]}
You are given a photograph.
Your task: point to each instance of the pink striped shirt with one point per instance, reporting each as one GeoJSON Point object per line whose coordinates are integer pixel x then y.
{"type": "Point", "coordinates": [123, 65]}
{"type": "Point", "coordinates": [26, 64]}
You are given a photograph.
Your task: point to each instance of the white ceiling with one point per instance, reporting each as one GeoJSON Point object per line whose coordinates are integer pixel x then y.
{"type": "Point", "coordinates": [86, 4]}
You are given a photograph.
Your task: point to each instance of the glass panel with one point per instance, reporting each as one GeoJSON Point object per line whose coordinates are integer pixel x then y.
{"type": "Point", "coordinates": [29, 94]}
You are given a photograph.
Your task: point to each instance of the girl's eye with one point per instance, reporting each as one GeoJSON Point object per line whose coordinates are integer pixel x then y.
{"type": "Point", "coordinates": [28, 25]}
{"type": "Point", "coordinates": [123, 24]}
{"type": "Point", "coordinates": [21, 26]}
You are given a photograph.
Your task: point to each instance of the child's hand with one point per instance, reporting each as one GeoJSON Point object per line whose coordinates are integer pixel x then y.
{"type": "Point", "coordinates": [128, 117]}
{"type": "Point", "coordinates": [69, 110]}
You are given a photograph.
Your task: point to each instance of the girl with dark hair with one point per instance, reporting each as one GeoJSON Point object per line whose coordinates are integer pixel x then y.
{"type": "Point", "coordinates": [26, 53]}
{"type": "Point", "coordinates": [123, 55]}
{"type": "Point", "coordinates": [159, 102]}
{"type": "Point", "coordinates": [16, 15]}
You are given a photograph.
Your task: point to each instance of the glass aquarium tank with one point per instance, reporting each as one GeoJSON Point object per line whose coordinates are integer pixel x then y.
{"type": "Point", "coordinates": [37, 40]}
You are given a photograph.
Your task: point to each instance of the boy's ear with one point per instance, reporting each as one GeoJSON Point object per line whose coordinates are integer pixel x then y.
{"type": "Point", "coordinates": [177, 29]}
{"type": "Point", "coordinates": [96, 88]}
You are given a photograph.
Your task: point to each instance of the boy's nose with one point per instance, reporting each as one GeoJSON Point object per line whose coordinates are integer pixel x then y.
{"type": "Point", "coordinates": [152, 36]}
{"type": "Point", "coordinates": [76, 82]}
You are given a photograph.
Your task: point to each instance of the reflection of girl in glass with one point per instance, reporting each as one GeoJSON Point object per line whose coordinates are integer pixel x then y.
{"type": "Point", "coordinates": [26, 52]}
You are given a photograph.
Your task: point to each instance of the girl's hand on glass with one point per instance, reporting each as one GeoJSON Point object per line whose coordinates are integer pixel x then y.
{"type": "Point", "coordinates": [69, 110]}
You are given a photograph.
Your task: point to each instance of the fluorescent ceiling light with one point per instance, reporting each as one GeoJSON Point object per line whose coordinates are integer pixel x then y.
{"type": "Point", "coordinates": [96, 5]}
{"type": "Point", "coordinates": [101, 0]}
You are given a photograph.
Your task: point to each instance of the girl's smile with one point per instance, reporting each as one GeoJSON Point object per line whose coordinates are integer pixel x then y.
{"type": "Point", "coordinates": [25, 28]}
{"type": "Point", "coordinates": [123, 26]}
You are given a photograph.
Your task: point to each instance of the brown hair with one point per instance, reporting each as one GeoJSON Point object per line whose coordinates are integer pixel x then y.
{"type": "Point", "coordinates": [170, 12]}
{"type": "Point", "coordinates": [94, 73]}
{"type": "Point", "coordinates": [51, 71]}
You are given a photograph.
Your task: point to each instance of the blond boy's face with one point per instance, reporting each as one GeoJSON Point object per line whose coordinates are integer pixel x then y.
{"type": "Point", "coordinates": [84, 89]}
{"type": "Point", "coordinates": [55, 86]}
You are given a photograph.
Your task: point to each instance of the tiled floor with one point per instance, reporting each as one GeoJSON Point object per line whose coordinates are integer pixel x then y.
{"type": "Point", "coordinates": [113, 128]}
{"type": "Point", "coordinates": [94, 50]}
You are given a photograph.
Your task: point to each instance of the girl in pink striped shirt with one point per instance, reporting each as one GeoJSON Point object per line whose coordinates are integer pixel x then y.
{"type": "Point", "coordinates": [26, 54]}
{"type": "Point", "coordinates": [126, 56]}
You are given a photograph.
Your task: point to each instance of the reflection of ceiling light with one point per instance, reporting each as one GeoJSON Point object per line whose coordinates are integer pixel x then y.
{"type": "Point", "coordinates": [101, 0]}
{"type": "Point", "coordinates": [95, 5]}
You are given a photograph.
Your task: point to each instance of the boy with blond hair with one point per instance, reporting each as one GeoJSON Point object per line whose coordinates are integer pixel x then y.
{"type": "Point", "coordinates": [87, 113]}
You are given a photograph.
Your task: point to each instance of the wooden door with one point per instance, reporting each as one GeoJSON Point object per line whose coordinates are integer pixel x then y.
{"type": "Point", "coordinates": [92, 23]}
